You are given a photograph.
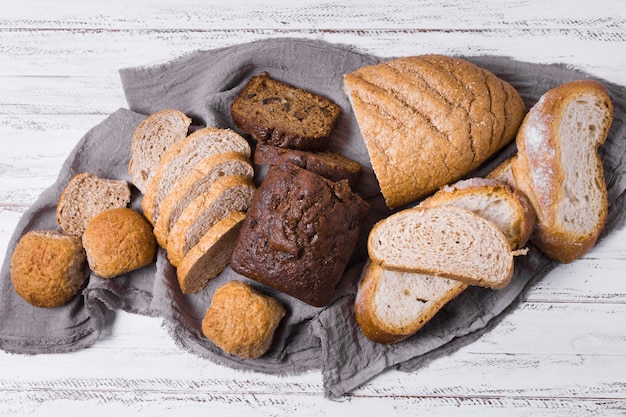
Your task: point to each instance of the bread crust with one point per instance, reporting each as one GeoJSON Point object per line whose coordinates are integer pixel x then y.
{"type": "Point", "coordinates": [539, 172]}
{"type": "Point", "coordinates": [429, 120]}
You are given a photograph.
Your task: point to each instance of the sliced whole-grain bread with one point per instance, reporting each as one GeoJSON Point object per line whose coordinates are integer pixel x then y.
{"type": "Point", "coordinates": [446, 241]}
{"type": "Point", "coordinates": [181, 157]}
{"type": "Point", "coordinates": [195, 182]}
{"type": "Point", "coordinates": [208, 258]}
{"type": "Point", "coordinates": [228, 194]}
{"type": "Point", "coordinates": [330, 165]}
{"type": "Point", "coordinates": [87, 195]}
{"type": "Point", "coordinates": [391, 305]}
{"type": "Point", "coordinates": [493, 200]}
{"type": "Point", "coordinates": [150, 141]}
{"type": "Point", "coordinates": [558, 167]}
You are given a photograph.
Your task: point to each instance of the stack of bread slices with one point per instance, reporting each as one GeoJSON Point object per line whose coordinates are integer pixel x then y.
{"type": "Point", "coordinates": [196, 188]}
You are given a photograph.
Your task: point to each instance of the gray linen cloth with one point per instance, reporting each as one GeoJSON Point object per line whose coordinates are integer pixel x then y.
{"type": "Point", "coordinates": [202, 85]}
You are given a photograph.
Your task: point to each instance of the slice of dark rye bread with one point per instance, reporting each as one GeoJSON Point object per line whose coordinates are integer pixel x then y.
{"type": "Point", "coordinates": [180, 159]}
{"type": "Point", "coordinates": [150, 140]}
{"type": "Point", "coordinates": [87, 195]}
{"type": "Point", "coordinates": [283, 115]}
{"type": "Point", "coordinates": [331, 165]}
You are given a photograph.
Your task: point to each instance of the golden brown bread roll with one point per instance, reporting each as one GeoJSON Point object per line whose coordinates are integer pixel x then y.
{"type": "Point", "coordinates": [118, 241]}
{"type": "Point", "coordinates": [242, 321]}
{"type": "Point", "coordinates": [429, 120]}
{"type": "Point", "coordinates": [47, 267]}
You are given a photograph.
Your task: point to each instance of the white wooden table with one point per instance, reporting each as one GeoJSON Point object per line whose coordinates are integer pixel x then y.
{"type": "Point", "coordinates": [561, 352]}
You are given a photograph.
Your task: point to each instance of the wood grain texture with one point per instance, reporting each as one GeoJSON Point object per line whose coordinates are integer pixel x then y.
{"type": "Point", "coordinates": [560, 352]}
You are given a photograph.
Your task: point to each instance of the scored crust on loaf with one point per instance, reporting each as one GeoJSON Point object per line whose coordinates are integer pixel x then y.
{"type": "Point", "coordinates": [197, 181]}
{"type": "Point", "coordinates": [150, 141]}
{"type": "Point", "coordinates": [558, 167]}
{"type": "Point", "coordinates": [391, 306]}
{"type": "Point", "coordinates": [331, 165]}
{"type": "Point", "coordinates": [87, 195]}
{"type": "Point", "coordinates": [429, 120]}
{"type": "Point", "coordinates": [228, 194]}
{"type": "Point", "coordinates": [180, 159]}
{"type": "Point", "coordinates": [493, 200]}
{"type": "Point", "coordinates": [446, 241]}
{"type": "Point", "coordinates": [283, 115]}
{"type": "Point", "coordinates": [210, 255]}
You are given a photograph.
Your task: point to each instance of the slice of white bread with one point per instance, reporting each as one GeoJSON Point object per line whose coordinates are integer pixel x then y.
{"type": "Point", "coordinates": [228, 194]}
{"type": "Point", "coordinates": [504, 172]}
{"type": "Point", "coordinates": [391, 306]}
{"type": "Point", "coordinates": [87, 195]}
{"type": "Point", "coordinates": [446, 241]}
{"type": "Point", "coordinates": [558, 167]}
{"type": "Point", "coordinates": [181, 157]}
{"type": "Point", "coordinates": [493, 200]}
{"type": "Point", "coordinates": [210, 255]}
{"type": "Point", "coordinates": [150, 141]}
{"type": "Point", "coordinates": [197, 181]}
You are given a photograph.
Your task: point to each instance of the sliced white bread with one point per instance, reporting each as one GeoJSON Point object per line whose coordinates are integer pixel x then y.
{"type": "Point", "coordinates": [150, 141]}
{"type": "Point", "coordinates": [391, 306]}
{"type": "Point", "coordinates": [197, 181]}
{"type": "Point", "coordinates": [493, 200]}
{"type": "Point", "coordinates": [181, 157]}
{"type": "Point", "coordinates": [211, 254]}
{"type": "Point", "coordinates": [558, 167]}
{"type": "Point", "coordinates": [228, 194]}
{"type": "Point", "coordinates": [87, 195]}
{"type": "Point", "coordinates": [446, 241]}
{"type": "Point", "coordinates": [504, 172]}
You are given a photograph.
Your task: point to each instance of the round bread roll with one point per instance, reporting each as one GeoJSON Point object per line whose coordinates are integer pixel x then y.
{"type": "Point", "coordinates": [118, 241]}
{"type": "Point", "coordinates": [47, 267]}
{"type": "Point", "coordinates": [241, 321]}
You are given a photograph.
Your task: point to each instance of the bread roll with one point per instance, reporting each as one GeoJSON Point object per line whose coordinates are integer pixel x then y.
{"type": "Point", "coordinates": [558, 167]}
{"type": "Point", "coordinates": [429, 120]}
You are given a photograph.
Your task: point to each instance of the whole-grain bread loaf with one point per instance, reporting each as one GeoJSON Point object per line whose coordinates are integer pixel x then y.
{"type": "Point", "coordinates": [241, 320]}
{"type": "Point", "coordinates": [558, 167]}
{"type": "Point", "coordinates": [196, 182]}
{"type": "Point", "coordinates": [227, 194]}
{"type": "Point", "coordinates": [210, 255]}
{"type": "Point", "coordinates": [283, 115]}
{"type": "Point", "coordinates": [180, 159]}
{"type": "Point", "coordinates": [87, 195]}
{"type": "Point", "coordinates": [429, 120]}
{"type": "Point", "coordinates": [151, 139]}
{"type": "Point", "coordinates": [331, 165]}
{"type": "Point", "coordinates": [446, 241]}
{"type": "Point", "coordinates": [299, 233]}
{"type": "Point", "coordinates": [47, 267]}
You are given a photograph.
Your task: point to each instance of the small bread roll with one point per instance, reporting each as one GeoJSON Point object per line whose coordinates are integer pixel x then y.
{"type": "Point", "coordinates": [118, 241]}
{"type": "Point", "coordinates": [47, 267]}
{"type": "Point", "coordinates": [241, 321]}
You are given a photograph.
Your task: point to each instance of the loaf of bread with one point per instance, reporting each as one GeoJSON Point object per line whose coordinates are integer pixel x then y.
{"type": "Point", "coordinates": [390, 306]}
{"type": "Point", "coordinates": [228, 194]}
{"type": "Point", "coordinates": [47, 267]}
{"type": "Point", "coordinates": [446, 241]}
{"type": "Point", "coordinates": [429, 120]}
{"type": "Point", "coordinates": [299, 233]}
{"type": "Point", "coordinates": [210, 255]}
{"type": "Point", "coordinates": [558, 167]}
{"type": "Point", "coordinates": [87, 195]}
{"type": "Point", "coordinates": [180, 159]}
{"type": "Point", "coordinates": [283, 115]}
{"type": "Point", "coordinates": [196, 182]}
{"type": "Point", "coordinates": [150, 140]}
{"type": "Point", "coordinates": [118, 241]}
{"type": "Point", "coordinates": [241, 321]}
{"type": "Point", "coordinates": [331, 165]}
{"type": "Point", "coordinates": [493, 200]}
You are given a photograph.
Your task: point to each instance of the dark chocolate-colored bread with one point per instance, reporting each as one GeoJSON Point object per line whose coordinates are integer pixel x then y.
{"type": "Point", "coordinates": [283, 115]}
{"type": "Point", "coordinates": [299, 233]}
